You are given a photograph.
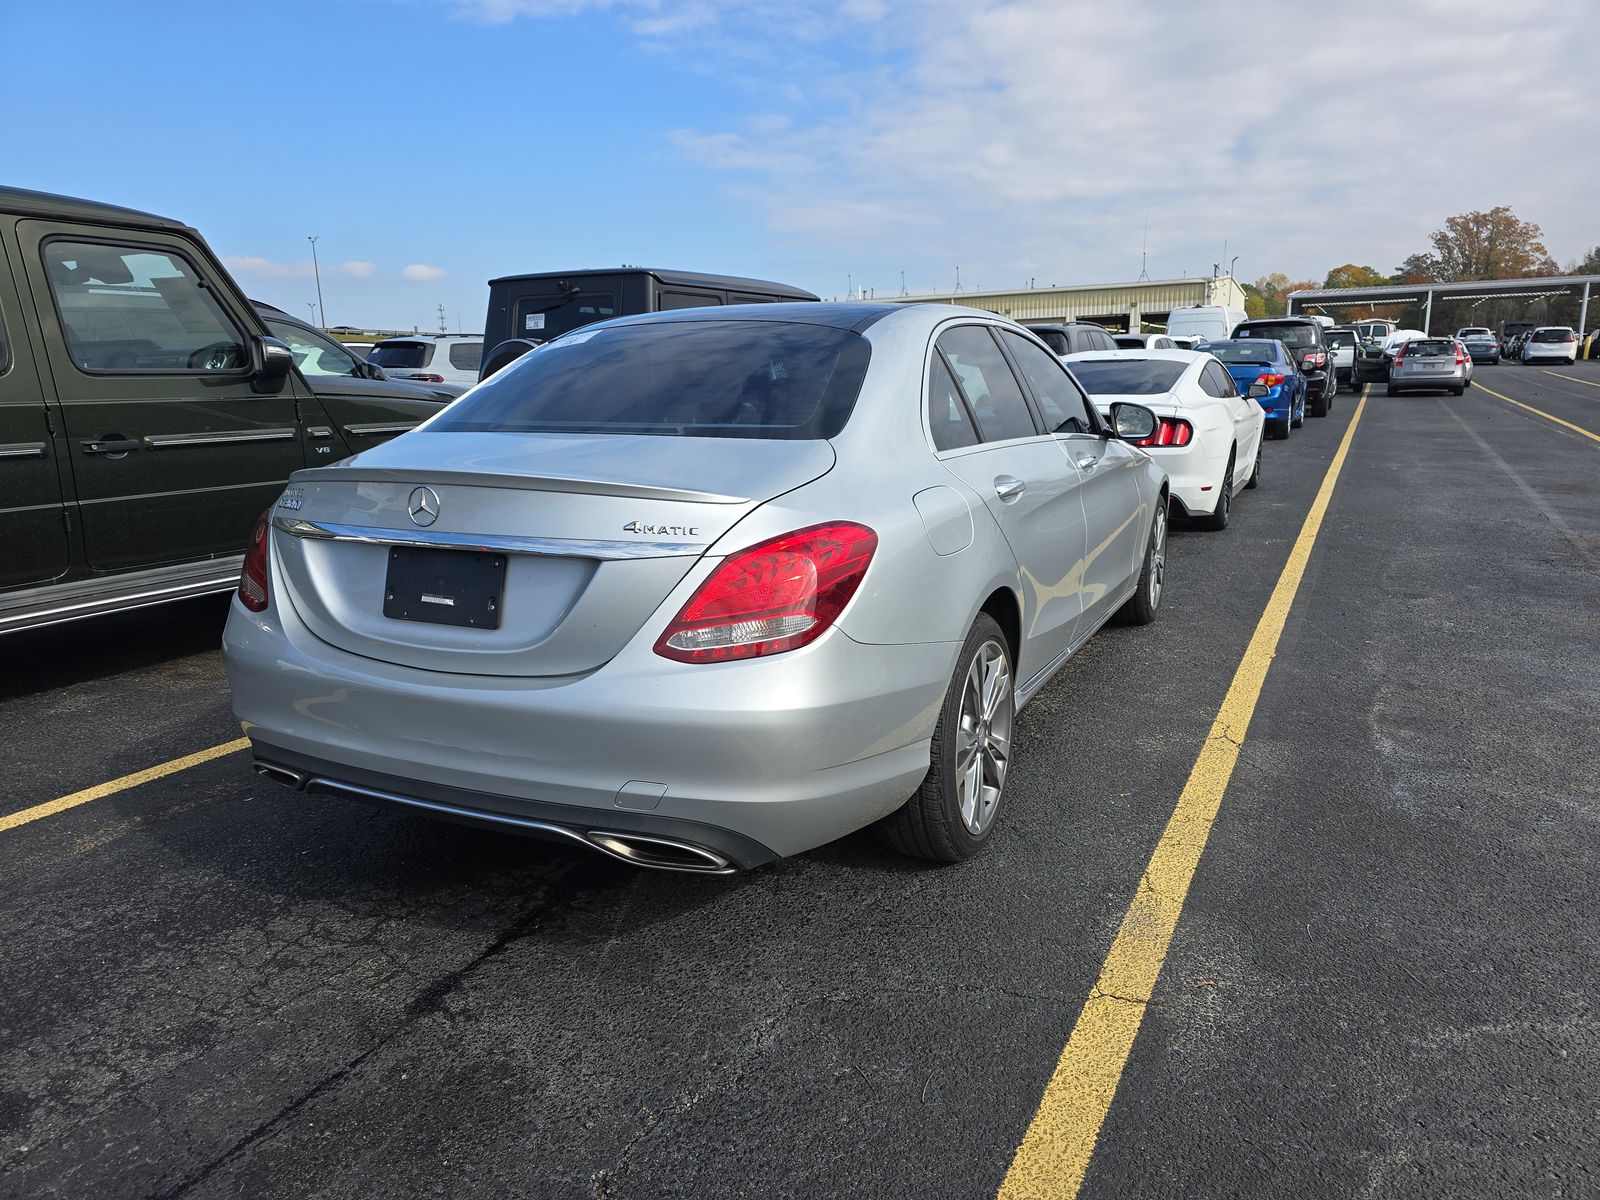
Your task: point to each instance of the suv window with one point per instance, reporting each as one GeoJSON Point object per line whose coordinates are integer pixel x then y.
{"type": "Point", "coordinates": [138, 308]}
{"type": "Point", "coordinates": [1055, 339]}
{"type": "Point", "coordinates": [465, 356]}
{"type": "Point", "coordinates": [1295, 335]}
{"type": "Point", "coordinates": [314, 355]}
{"type": "Point", "coordinates": [1064, 406]}
{"type": "Point", "coordinates": [986, 378]}
{"type": "Point", "coordinates": [772, 380]}
{"type": "Point", "coordinates": [544, 317]}
{"type": "Point", "coordinates": [947, 412]}
{"type": "Point", "coordinates": [402, 356]}
{"type": "Point", "coordinates": [671, 301]}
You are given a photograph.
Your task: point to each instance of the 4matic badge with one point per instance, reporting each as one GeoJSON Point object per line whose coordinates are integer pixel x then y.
{"type": "Point", "coordinates": [658, 530]}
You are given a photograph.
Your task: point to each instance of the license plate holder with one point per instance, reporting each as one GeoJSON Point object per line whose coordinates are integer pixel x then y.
{"type": "Point", "coordinates": [445, 587]}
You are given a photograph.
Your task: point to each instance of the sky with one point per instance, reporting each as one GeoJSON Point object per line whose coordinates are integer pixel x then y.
{"type": "Point", "coordinates": [431, 145]}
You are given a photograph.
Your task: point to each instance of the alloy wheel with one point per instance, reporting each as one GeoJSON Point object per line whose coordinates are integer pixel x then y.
{"type": "Point", "coordinates": [983, 738]}
{"type": "Point", "coordinates": [1158, 557]}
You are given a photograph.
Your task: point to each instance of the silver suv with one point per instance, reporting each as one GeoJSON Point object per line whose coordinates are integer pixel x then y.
{"type": "Point", "coordinates": [430, 357]}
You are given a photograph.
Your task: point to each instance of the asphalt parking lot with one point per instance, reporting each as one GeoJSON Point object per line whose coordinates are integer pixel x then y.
{"type": "Point", "coordinates": [1382, 979]}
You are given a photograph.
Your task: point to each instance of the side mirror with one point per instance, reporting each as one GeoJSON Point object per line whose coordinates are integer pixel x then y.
{"type": "Point", "coordinates": [1133, 422]}
{"type": "Point", "coordinates": [374, 371]}
{"type": "Point", "coordinates": [271, 360]}
{"type": "Point", "coordinates": [504, 354]}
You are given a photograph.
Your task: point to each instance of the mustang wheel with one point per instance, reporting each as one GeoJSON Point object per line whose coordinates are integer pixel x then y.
{"type": "Point", "coordinates": [1218, 519]}
{"type": "Point", "coordinates": [1255, 472]}
{"type": "Point", "coordinates": [954, 812]}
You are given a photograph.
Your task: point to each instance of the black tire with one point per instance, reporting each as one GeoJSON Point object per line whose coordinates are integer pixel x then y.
{"type": "Point", "coordinates": [930, 825]}
{"type": "Point", "coordinates": [1319, 407]}
{"type": "Point", "coordinates": [1457, 391]}
{"type": "Point", "coordinates": [1279, 429]}
{"type": "Point", "coordinates": [1142, 606]}
{"type": "Point", "coordinates": [1218, 520]}
{"type": "Point", "coordinates": [1255, 471]}
{"type": "Point", "coordinates": [1391, 390]}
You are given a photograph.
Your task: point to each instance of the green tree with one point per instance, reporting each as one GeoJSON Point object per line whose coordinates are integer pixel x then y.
{"type": "Point", "coordinates": [1351, 275]}
{"type": "Point", "coordinates": [1589, 264]}
{"type": "Point", "coordinates": [1490, 245]}
{"type": "Point", "coordinates": [1418, 268]}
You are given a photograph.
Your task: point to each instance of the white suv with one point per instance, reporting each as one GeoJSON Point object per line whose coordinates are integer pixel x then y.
{"type": "Point", "coordinates": [430, 357]}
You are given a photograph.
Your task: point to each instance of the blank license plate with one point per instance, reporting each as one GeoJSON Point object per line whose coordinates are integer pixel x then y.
{"type": "Point", "coordinates": [445, 587]}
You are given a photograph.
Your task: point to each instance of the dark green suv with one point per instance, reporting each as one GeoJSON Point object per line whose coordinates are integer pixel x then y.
{"type": "Point", "coordinates": [147, 416]}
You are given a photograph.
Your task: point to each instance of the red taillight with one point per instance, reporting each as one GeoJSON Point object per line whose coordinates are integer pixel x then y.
{"type": "Point", "coordinates": [1270, 381]}
{"type": "Point", "coordinates": [1170, 432]}
{"type": "Point", "coordinates": [775, 596]}
{"type": "Point", "coordinates": [1316, 358]}
{"type": "Point", "coordinates": [1399, 353]}
{"type": "Point", "coordinates": [427, 378]}
{"type": "Point", "coordinates": [1461, 356]}
{"type": "Point", "coordinates": [253, 579]}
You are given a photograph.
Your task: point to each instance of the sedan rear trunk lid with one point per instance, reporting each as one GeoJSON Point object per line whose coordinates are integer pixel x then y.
{"type": "Point", "coordinates": [592, 533]}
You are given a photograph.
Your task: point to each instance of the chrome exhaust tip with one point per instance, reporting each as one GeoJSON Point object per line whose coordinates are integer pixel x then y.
{"type": "Point", "coordinates": [284, 775]}
{"type": "Point", "coordinates": [663, 854]}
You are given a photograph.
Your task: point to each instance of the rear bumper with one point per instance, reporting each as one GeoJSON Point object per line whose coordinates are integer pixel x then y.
{"type": "Point", "coordinates": [1277, 404]}
{"type": "Point", "coordinates": [781, 754]}
{"type": "Point", "coordinates": [1417, 381]}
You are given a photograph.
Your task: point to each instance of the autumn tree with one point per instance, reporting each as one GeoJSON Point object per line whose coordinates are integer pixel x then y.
{"type": "Point", "coordinates": [1351, 275]}
{"type": "Point", "coordinates": [1490, 245]}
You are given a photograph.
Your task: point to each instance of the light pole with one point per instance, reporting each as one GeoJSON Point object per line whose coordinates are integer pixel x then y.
{"type": "Point", "coordinates": [1230, 266]}
{"type": "Point", "coordinates": [322, 317]}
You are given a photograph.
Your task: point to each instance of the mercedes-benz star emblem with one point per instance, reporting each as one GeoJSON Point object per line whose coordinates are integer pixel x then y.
{"type": "Point", "coordinates": [423, 506]}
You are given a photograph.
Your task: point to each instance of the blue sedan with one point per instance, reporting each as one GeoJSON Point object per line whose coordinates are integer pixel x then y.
{"type": "Point", "coordinates": [1265, 371]}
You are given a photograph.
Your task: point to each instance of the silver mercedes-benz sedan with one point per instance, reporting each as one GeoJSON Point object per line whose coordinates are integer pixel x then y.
{"type": "Point", "coordinates": [704, 588]}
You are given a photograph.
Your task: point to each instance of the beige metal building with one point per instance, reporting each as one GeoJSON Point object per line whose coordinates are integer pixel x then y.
{"type": "Point", "coordinates": [1123, 307]}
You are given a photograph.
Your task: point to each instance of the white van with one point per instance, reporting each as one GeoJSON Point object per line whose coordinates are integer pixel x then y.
{"type": "Point", "coordinates": [1213, 322]}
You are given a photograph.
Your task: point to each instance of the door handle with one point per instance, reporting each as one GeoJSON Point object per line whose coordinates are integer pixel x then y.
{"type": "Point", "coordinates": [1089, 461]}
{"type": "Point", "coordinates": [110, 445]}
{"type": "Point", "coordinates": [1008, 487]}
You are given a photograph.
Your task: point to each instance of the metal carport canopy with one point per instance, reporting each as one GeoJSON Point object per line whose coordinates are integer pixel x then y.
{"type": "Point", "coordinates": [1472, 289]}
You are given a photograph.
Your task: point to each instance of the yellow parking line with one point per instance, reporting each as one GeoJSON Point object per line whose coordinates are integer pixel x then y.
{"type": "Point", "coordinates": [51, 807]}
{"type": "Point", "coordinates": [1575, 379]}
{"type": "Point", "coordinates": [1055, 1151]}
{"type": "Point", "coordinates": [1593, 437]}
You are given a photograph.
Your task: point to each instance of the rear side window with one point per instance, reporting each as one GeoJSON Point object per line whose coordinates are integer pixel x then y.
{"type": "Point", "coordinates": [465, 356]}
{"type": "Point", "coordinates": [1553, 335]}
{"type": "Point", "coordinates": [671, 301]}
{"type": "Point", "coordinates": [1064, 407]}
{"type": "Point", "coordinates": [738, 379]}
{"type": "Point", "coordinates": [400, 355]}
{"type": "Point", "coordinates": [947, 414]}
{"type": "Point", "coordinates": [991, 389]}
{"type": "Point", "coordinates": [1218, 382]}
{"type": "Point", "coordinates": [1055, 339]}
{"type": "Point", "coordinates": [138, 308]}
{"type": "Point", "coordinates": [1127, 376]}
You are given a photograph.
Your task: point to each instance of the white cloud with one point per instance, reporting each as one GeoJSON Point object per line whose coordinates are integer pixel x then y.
{"type": "Point", "coordinates": [421, 273]}
{"type": "Point", "coordinates": [1027, 139]}
{"type": "Point", "coordinates": [252, 264]}
{"type": "Point", "coordinates": [359, 269]}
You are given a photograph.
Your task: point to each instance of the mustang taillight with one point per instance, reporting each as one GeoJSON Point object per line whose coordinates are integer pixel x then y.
{"type": "Point", "coordinates": [1170, 431]}
{"type": "Point", "coordinates": [253, 579]}
{"type": "Point", "coordinates": [777, 595]}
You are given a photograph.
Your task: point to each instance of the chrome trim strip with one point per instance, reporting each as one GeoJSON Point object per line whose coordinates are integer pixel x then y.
{"type": "Point", "coordinates": [319, 431]}
{"type": "Point", "coordinates": [117, 602]}
{"type": "Point", "coordinates": [529, 482]}
{"type": "Point", "coordinates": [332, 531]}
{"type": "Point", "coordinates": [321, 785]}
{"type": "Point", "coordinates": [170, 441]}
{"type": "Point", "coordinates": [370, 427]}
{"type": "Point", "coordinates": [23, 450]}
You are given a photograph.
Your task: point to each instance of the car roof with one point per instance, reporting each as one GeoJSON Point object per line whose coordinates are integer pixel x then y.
{"type": "Point", "coordinates": [741, 283]}
{"type": "Point", "coordinates": [1282, 321]}
{"type": "Point", "coordinates": [24, 202]}
{"type": "Point", "coordinates": [855, 316]}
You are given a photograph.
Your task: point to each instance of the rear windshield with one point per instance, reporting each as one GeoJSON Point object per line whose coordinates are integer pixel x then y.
{"type": "Point", "coordinates": [400, 354]}
{"type": "Point", "coordinates": [774, 380]}
{"type": "Point", "coordinates": [1055, 339]}
{"type": "Point", "coordinates": [1432, 347]}
{"type": "Point", "coordinates": [1341, 337]}
{"type": "Point", "coordinates": [1474, 332]}
{"type": "Point", "coordinates": [1126, 376]}
{"type": "Point", "coordinates": [1258, 353]}
{"type": "Point", "coordinates": [1553, 335]}
{"type": "Point", "coordinates": [1298, 336]}
{"type": "Point", "coordinates": [545, 318]}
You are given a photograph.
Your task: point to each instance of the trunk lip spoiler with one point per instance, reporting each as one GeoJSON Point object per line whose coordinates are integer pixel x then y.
{"type": "Point", "coordinates": [596, 548]}
{"type": "Point", "coordinates": [536, 483]}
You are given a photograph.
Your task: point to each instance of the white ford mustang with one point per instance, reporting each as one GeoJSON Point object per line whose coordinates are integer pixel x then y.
{"type": "Point", "coordinates": [1209, 438]}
